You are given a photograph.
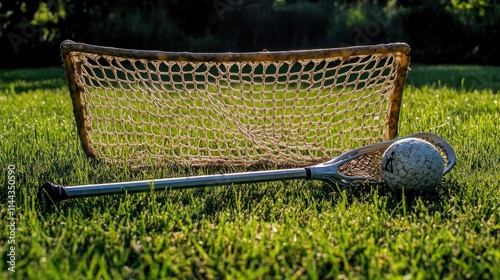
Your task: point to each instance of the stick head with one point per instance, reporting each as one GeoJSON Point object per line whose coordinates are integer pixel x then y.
{"type": "Point", "coordinates": [362, 165]}
{"type": "Point", "coordinates": [49, 194]}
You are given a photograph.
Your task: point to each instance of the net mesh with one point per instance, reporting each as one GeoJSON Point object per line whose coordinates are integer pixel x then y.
{"type": "Point", "coordinates": [366, 166]}
{"type": "Point", "coordinates": [296, 112]}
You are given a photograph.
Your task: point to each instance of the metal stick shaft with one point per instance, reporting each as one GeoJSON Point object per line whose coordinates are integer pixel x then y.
{"type": "Point", "coordinates": [50, 193]}
{"type": "Point", "coordinates": [186, 182]}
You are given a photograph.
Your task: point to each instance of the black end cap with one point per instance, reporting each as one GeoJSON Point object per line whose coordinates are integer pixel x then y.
{"type": "Point", "coordinates": [50, 194]}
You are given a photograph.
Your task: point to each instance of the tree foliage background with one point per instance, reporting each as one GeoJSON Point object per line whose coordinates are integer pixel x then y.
{"type": "Point", "coordinates": [439, 31]}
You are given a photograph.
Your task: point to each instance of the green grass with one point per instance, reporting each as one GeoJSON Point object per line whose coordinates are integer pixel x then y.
{"type": "Point", "coordinates": [294, 229]}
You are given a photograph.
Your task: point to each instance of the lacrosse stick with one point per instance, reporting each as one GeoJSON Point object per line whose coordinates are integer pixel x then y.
{"type": "Point", "coordinates": [357, 166]}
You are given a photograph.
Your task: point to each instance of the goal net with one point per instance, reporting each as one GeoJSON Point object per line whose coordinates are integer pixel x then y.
{"type": "Point", "coordinates": [287, 108]}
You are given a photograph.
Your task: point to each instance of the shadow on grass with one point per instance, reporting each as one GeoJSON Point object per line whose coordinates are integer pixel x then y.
{"type": "Point", "coordinates": [400, 202]}
{"type": "Point", "coordinates": [459, 77]}
{"type": "Point", "coordinates": [32, 79]}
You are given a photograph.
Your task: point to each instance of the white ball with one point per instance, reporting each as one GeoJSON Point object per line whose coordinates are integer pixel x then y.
{"type": "Point", "coordinates": [412, 163]}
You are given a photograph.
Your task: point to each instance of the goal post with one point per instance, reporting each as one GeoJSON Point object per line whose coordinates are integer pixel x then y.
{"type": "Point", "coordinates": [278, 108]}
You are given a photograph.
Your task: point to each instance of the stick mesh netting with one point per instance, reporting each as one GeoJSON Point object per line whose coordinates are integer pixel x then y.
{"type": "Point", "coordinates": [281, 109]}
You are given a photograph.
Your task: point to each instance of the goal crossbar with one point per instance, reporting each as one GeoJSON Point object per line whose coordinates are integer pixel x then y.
{"type": "Point", "coordinates": [280, 108]}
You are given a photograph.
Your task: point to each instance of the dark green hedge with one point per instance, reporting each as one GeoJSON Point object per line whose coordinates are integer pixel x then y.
{"type": "Point", "coordinates": [461, 31]}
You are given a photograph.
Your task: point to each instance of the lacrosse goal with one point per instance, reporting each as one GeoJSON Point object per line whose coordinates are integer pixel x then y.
{"type": "Point", "coordinates": [286, 108]}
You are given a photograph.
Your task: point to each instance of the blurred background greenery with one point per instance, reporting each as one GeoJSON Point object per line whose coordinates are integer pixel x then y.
{"type": "Point", "coordinates": [439, 31]}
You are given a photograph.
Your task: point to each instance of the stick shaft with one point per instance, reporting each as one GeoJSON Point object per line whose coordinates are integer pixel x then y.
{"type": "Point", "coordinates": [185, 182]}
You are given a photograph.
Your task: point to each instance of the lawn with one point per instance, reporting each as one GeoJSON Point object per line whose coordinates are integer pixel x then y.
{"type": "Point", "coordinates": [293, 229]}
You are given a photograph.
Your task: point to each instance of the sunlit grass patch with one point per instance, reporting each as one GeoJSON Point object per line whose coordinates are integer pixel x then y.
{"type": "Point", "coordinates": [294, 229]}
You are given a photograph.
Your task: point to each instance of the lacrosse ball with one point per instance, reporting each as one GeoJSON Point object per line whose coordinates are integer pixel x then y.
{"type": "Point", "coordinates": [412, 164]}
